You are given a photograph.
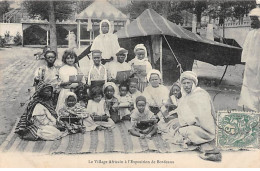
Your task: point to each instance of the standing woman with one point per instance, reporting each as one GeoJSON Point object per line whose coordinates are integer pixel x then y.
{"type": "Point", "coordinates": [106, 42]}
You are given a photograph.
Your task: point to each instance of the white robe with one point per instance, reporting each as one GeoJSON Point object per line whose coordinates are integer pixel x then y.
{"type": "Point", "coordinates": [114, 67]}
{"type": "Point", "coordinates": [156, 96]}
{"type": "Point", "coordinates": [250, 93]}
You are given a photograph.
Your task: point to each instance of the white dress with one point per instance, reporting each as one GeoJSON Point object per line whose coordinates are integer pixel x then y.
{"type": "Point", "coordinates": [64, 73]}
{"type": "Point", "coordinates": [45, 122]}
{"type": "Point", "coordinates": [97, 109]}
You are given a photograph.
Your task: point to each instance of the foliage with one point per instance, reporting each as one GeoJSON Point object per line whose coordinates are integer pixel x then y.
{"type": "Point", "coordinates": [4, 8]}
{"type": "Point", "coordinates": [7, 37]}
{"type": "Point", "coordinates": [63, 9]}
{"type": "Point", "coordinates": [18, 39]}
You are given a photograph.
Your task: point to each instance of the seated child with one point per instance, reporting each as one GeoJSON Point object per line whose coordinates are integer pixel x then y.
{"type": "Point", "coordinates": [111, 102]}
{"type": "Point", "coordinates": [72, 113]}
{"type": "Point", "coordinates": [125, 102]}
{"type": "Point", "coordinates": [143, 120]}
{"type": "Point", "coordinates": [133, 91]}
{"type": "Point", "coordinates": [169, 110]}
{"type": "Point", "coordinates": [99, 117]}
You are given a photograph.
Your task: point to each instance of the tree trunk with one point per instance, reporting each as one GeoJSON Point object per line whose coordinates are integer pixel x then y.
{"type": "Point", "coordinates": [53, 35]}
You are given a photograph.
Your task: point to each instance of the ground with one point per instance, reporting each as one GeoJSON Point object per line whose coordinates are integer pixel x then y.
{"type": "Point", "coordinates": [17, 66]}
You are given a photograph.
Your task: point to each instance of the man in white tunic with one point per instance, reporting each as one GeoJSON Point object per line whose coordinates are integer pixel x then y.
{"type": "Point", "coordinates": [250, 93]}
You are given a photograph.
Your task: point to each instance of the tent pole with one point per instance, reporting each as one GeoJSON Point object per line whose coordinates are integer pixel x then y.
{"type": "Point", "coordinates": [151, 51]}
{"type": "Point", "coordinates": [223, 75]}
{"type": "Point", "coordinates": [178, 63]}
{"type": "Point", "coordinates": [161, 64]}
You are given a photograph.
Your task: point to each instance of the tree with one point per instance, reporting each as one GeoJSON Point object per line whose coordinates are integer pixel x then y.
{"type": "Point", "coordinates": [4, 8]}
{"type": "Point", "coordinates": [52, 11]}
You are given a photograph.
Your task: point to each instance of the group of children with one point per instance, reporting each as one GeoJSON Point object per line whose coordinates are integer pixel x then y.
{"type": "Point", "coordinates": [139, 98]}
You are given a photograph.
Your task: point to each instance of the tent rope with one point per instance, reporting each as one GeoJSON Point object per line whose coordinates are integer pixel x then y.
{"type": "Point", "coordinates": [178, 63]}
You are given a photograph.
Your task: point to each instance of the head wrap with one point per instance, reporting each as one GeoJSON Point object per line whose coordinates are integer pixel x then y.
{"type": "Point", "coordinates": [50, 51]}
{"type": "Point", "coordinates": [177, 83]}
{"type": "Point", "coordinates": [140, 98]}
{"type": "Point", "coordinates": [255, 12]}
{"type": "Point", "coordinates": [121, 51]}
{"type": "Point", "coordinates": [189, 75]}
{"type": "Point", "coordinates": [113, 85]}
{"type": "Point", "coordinates": [96, 51]}
{"type": "Point", "coordinates": [141, 46]}
{"type": "Point", "coordinates": [154, 71]}
{"type": "Point", "coordinates": [109, 27]}
{"type": "Point", "coordinates": [40, 86]}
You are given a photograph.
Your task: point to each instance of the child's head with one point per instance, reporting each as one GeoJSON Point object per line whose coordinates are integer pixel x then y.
{"type": "Point", "coordinates": [104, 26]}
{"type": "Point", "coordinates": [69, 57]}
{"type": "Point", "coordinates": [123, 89]}
{"type": "Point", "coordinates": [140, 103]}
{"type": "Point", "coordinates": [71, 100]}
{"type": "Point", "coordinates": [46, 92]}
{"type": "Point", "coordinates": [96, 57]}
{"type": "Point", "coordinates": [140, 51]}
{"type": "Point", "coordinates": [176, 90]}
{"type": "Point", "coordinates": [50, 56]}
{"type": "Point", "coordinates": [154, 77]}
{"type": "Point", "coordinates": [109, 92]}
{"type": "Point", "coordinates": [96, 94]}
{"type": "Point", "coordinates": [133, 85]}
{"type": "Point", "coordinates": [121, 55]}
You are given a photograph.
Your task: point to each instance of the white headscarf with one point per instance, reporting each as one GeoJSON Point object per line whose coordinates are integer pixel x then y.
{"type": "Point", "coordinates": [141, 46]}
{"type": "Point", "coordinates": [109, 27]}
{"type": "Point", "coordinates": [122, 49]}
{"type": "Point", "coordinates": [190, 76]}
{"type": "Point", "coordinates": [154, 71]}
{"type": "Point", "coordinates": [114, 86]}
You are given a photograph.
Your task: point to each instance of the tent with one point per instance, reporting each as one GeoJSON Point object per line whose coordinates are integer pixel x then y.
{"type": "Point", "coordinates": [161, 35]}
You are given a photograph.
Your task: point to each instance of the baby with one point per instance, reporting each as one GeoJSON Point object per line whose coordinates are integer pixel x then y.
{"type": "Point", "coordinates": [72, 114]}
{"type": "Point", "coordinates": [143, 120]}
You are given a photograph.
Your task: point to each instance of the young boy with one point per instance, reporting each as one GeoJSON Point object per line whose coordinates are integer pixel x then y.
{"type": "Point", "coordinates": [133, 91]}
{"type": "Point", "coordinates": [143, 120]}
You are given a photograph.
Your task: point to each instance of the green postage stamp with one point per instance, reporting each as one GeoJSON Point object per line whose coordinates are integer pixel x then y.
{"type": "Point", "coordinates": [237, 130]}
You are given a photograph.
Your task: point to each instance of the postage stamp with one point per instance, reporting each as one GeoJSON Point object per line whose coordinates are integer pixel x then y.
{"type": "Point", "coordinates": [237, 130]}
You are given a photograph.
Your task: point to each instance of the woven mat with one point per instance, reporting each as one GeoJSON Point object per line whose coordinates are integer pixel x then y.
{"type": "Point", "coordinates": [117, 140]}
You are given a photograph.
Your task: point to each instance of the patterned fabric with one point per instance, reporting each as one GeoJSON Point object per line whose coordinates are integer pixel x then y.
{"type": "Point", "coordinates": [25, 126]}
{"type": "Point", "coordinates": [117, 140]}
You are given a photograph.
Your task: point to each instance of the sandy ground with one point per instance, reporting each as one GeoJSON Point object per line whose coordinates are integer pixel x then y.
{"type": "Point", "coordinates": [17, 65]}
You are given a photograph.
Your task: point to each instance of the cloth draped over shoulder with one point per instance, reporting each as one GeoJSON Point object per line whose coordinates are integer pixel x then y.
{"type": "Point", "coordinates": [106, 43]}
{"type": "Point", "coordinates": [250, 92]}
{"type": "Point", "coordinates": [196, 117]}
{"type": "Point", "coordinates": [26, 126]}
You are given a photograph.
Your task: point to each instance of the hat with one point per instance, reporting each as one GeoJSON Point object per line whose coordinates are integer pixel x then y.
{"type": "Point", "coordinates": [154, 71]}
{"type": "Point", "coordinates": [189, 75]}
{"type": "Point", "coordinates": [121, 51]}
{"type": "Point", "coordinates": [96, 51]}
{"type": "Point", "coordinates": [140, 98]}
{"type": "Point", "coordinates": [49, 51]}
{"type": "Point", "coordinates": [255, 12]}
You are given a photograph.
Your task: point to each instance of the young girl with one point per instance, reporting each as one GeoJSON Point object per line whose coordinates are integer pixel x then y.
{"type": "Point", "coordinates": [111, 100]}
{"type": "Point", "coordinates": [99, 117]}
{"type": "Point", "coordinates": [140, 66]}
{"type": "Point", "coordinates": [70, 68]}
{"type": "Point", "coordinates": [72, 113]}
{"type": "Point", "coordinates": [156, 94]}
{"type": "Point", "coordinates": [125, 102]}
{"type": "Point", "coordinates": [143, 114]}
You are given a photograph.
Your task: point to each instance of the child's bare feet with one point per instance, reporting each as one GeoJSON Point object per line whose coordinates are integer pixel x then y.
{"type": "Point", "coordinates": [149, 136]}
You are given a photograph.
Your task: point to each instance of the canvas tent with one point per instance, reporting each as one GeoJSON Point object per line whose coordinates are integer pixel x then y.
{"type": "Point", "coordinates": [159, 34]}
